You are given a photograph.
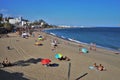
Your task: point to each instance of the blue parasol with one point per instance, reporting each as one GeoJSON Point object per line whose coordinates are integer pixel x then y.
{"type": "Point", "coordinates": [58, 56]}
{"type": "Point", "coordinates": [84, 50]}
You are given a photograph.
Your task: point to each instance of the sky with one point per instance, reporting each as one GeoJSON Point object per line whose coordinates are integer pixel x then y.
{"type": "Point", "coordinates": [101, 13]}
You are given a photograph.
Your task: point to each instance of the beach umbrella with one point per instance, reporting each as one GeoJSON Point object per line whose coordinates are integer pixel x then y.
{"type": "Point", "coordinates": [58, 55]}
{"type": "Point", "coordinates": [45, 61]}
{"type": "Point", "coordinates": [84, 50]}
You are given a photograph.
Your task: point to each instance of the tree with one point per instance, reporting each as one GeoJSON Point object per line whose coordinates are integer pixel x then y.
{"type": "Point", "coordinates": [8, 26]}
{"type": "Point", "coordinates": [42, 23]}
{"type": "Point", "coordinates": [1, 24]}
{"type": "Point", "coordinates": [1, 17]}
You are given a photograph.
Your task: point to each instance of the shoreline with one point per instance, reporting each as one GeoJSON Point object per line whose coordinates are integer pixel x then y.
{"type": "Point", "coordinates": [78, 42]}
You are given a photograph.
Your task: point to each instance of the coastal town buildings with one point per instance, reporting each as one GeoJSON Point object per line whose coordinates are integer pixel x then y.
{"type": "Point", "coordinates": [18, 20]}
{"type": "Point", "coordinates": [15, 20]}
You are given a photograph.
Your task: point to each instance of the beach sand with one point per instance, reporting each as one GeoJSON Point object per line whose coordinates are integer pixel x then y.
{"type": "Point", "coordinates": [27, 58]}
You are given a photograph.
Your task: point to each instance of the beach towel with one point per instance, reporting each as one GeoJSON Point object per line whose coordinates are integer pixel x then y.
{"type": "Point", "coordinates": [92, 68]}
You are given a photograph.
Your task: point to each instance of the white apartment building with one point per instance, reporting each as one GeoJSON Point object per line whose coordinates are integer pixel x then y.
{"type": "Point", "coordinates": [15, 20]}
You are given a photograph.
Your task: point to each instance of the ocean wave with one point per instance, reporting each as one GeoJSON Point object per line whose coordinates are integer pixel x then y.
{"type": "Point", "coordinates": [53, 34]}
{"type": "Point", "coordinates": [73, 40]}
{"type": "Point", "coordinates": [63, 37]}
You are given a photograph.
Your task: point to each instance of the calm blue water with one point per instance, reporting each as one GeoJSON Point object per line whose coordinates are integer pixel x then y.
{"type": "Point", "coordinates": [103, 36]}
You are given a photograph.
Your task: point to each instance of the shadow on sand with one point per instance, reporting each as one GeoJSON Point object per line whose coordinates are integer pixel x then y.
{"type": "Point", "coordinates": [4, 75]}
{"type": "Point", "coordinates": [32, 61]}
{"type": "Point", "coordinates": [54, 65]}
{"type": "Point", "coordinates": [81, 76]}
{"type": "Point", "coordinates": [27, 62]}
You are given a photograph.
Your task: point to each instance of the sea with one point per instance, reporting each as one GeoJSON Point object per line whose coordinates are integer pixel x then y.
{"type": "Point", "coordinates": [104, 37]}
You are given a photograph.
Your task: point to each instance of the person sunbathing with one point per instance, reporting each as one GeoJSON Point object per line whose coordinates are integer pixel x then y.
{"type": "Point", "coordinates": [64, 58]}
{"type": "Point", "coordinates": [100, 67]}
{"type": "Point", "coordinates": [61, 58]}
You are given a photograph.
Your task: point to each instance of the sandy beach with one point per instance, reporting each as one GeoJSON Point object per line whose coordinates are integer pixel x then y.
{"type": "Point", "coordinates": [27, 58]}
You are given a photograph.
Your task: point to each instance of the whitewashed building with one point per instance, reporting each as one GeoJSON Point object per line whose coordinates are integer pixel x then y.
{"type": "Point", "coordinates": [19, 21]}
{"type": "Point", "coordinates": [15, 20]}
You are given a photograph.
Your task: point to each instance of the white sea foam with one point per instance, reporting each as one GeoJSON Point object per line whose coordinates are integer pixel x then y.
{"type": "Point", "coordinates": [53, 34]}
{"type": "Point", "coordinates": [62, 37]}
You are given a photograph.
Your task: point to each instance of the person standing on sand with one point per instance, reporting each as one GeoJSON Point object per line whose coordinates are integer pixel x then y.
{"type": "Point", "coordinates": [93, 46]}
{"type": "Point", "coordinates": [8, 47]}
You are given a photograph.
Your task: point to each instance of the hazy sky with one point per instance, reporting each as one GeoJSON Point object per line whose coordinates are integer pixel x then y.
{"type": "Point", "coordinates": [65, 12]}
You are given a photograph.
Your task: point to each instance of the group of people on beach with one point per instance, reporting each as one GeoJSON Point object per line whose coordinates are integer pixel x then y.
{"type": "Point", "coordinates": [99, 67]}
{"type": "Point", "coordinates": [6, 63]}
{"type": "Point", "coordinates": [64, 58]}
